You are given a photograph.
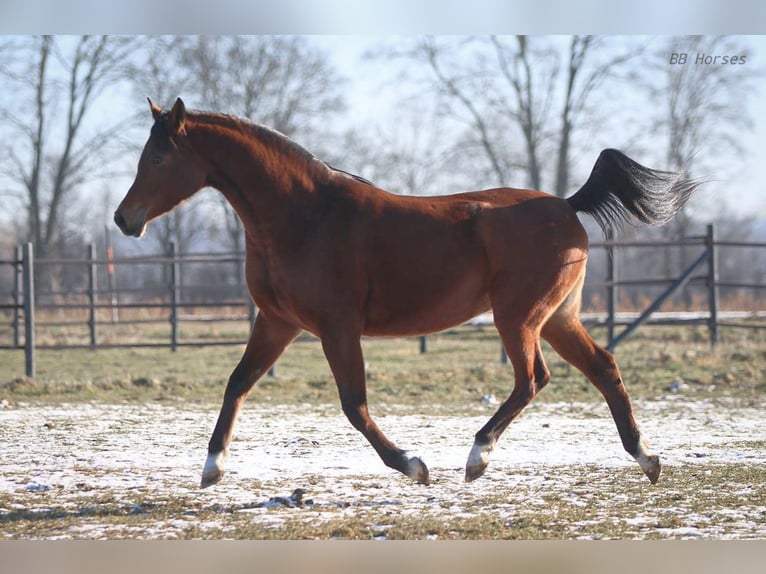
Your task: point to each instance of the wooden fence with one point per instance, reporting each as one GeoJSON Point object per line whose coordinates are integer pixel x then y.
{"type": "Point", "coordinates": [19, 315]}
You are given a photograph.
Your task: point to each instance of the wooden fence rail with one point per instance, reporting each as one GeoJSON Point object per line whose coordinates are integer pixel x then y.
{"type": "Point", "coordinates": [25, 300]}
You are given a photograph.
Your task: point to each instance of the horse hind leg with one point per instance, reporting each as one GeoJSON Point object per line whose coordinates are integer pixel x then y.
{"type": "Point", "coordinates": [569, 338]}
{"type": "Point", "coordinates": [530, 375]}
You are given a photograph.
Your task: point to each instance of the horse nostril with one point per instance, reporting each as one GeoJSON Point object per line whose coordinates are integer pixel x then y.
{"type": "Point", "coordinates": [120, 220]}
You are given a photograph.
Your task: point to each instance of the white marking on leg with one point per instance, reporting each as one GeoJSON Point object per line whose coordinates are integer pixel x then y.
{"type": "Point", "coordinates": [479, 455]}
{"type": "Point", "coordinates": [644, 455]}
{"type": "Point", "coordinates": [649, 462]}
{"type": "Point", "coordinates": [214, 462]}
{"type": "Point", "coordinates": [478, 459]}
{"type": "Point", "coordinates": [214, 468]}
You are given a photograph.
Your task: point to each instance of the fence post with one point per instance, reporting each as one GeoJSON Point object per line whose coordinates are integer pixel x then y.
{"type": "Point", "coordinates": [92, 288]}
{"type": "Point", "coordinates": [712, 283]}
{"type": "Point", "coordinates": [611, 289]}
{"type": "Point", "coordinates": [110, 274]}
{"type": "Point", "coordinates": [28, 262]}
{"type": "Point", "coordinates": [423, 344]}
{"type": "Point", "coordinates": [18, 272]}
{"type": "Point", "coordinates": [175, 294]}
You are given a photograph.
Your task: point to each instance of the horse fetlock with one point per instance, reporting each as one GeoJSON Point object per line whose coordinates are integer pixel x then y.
{"type": "Point", "coordinates": [650, 463]}
{"type": "Point", "coordinates": [478, 460]}
{"type": "Point", "coordinates": [213, 470]}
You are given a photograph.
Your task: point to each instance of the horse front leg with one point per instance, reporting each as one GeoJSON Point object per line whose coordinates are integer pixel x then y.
{"type": "Point", "coordinates": [268, 340]}
{"type": "Point", "coordinates": [344, 355]}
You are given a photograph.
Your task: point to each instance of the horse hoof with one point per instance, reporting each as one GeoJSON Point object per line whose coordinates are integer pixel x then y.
{"type": "Point", "coordinates": [653, 469]}
{"type": "Point", "coordinates": [213, 470]}
{"type": "Point", "coordinates": [417, 471]}
{"type": "Point", "coordinates": [478, 461]}
{"type": "Point", "coordinates": [474, 472]}
{"type": "Point", "coordinates": [211, 478]}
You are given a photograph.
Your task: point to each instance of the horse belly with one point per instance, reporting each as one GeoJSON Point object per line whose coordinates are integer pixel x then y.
{"type": "Point", "coordinates": [417, 305]}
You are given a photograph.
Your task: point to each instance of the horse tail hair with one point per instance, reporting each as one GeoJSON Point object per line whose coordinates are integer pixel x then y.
{"type": "Point", "coordinates": [619, 188]}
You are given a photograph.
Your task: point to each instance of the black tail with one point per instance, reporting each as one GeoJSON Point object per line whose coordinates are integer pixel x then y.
{"type": "Point", "coordinates": [618, 187]}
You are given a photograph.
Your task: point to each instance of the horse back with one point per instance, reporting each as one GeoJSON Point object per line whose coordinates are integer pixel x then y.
{"type": "Point", "coordinates": [432, 261]}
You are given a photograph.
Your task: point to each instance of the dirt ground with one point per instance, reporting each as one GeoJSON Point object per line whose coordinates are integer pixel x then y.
{"type": "Point", "coordinates": [93, 471]}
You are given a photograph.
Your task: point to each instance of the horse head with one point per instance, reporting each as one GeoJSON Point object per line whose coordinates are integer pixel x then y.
{"type": "Point", "coordinates": [168, 172]}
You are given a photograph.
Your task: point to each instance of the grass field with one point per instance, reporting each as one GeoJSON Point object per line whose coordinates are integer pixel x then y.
{"type": "Point", "coordinates": [461, 365]}
{"type": "Point", "coordinates": [112, 443]}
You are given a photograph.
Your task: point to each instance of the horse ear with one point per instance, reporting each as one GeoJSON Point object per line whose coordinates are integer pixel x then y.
{"type": "Point", "coordinates": [156, 110]}
{"type": "Point", "coordinates": [177, 117]}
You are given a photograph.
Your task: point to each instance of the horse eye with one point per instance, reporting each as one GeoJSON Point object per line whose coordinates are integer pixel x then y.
{"type": "Point", "coordinates": [155, 159]}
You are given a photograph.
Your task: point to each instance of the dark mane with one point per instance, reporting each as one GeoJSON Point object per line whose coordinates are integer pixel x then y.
{"type": "Point", "coordinates": [358, 178]}
{"type": "Point", "coordinates": [272, 137]}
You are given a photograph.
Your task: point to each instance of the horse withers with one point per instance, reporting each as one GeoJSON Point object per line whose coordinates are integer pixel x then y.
{"type": "Point", "coordinates": [332, 254]}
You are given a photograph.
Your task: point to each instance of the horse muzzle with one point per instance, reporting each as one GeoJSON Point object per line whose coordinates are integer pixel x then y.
{"type": "Point", "coordinates": [131, 224]}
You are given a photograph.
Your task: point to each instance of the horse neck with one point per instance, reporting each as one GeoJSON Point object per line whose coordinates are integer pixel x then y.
{"type": "Point", "coordinates": [261, 173]}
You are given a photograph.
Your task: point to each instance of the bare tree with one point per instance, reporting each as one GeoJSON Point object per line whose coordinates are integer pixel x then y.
{"type": "Point", "coordinates": [157, 75]}
{"type": "Point", "coordinates": [531, 75]}
{"type": "Point", "coordinates": [591, 61]}
{"type": "Point", "coordinates": [409, 156]}
{"type": "Point", "coordinates": [507, 90]}
{"type": "Point", "coordinates": [703, 102]}
{"type": "Point", "coordinates": [462, 88]}
{"type": "Point", "coordinates": [52, 149]}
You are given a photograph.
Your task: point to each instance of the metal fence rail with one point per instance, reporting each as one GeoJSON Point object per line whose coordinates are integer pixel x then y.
{"type": "Point", "coordinates": [168, 304]}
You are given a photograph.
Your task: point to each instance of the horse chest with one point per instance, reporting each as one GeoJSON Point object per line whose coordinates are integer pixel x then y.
{"type": "Point", "coordinates": [266, 280]}
{"type": "Point", "coordinates": [279, 286]}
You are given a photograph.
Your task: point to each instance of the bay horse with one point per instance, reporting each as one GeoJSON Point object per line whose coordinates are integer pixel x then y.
{"type": "Point", "coordinates": [330, 253]}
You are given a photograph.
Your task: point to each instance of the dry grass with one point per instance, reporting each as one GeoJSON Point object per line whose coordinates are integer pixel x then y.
{"type": "Point", "coordinates": [461, 366]}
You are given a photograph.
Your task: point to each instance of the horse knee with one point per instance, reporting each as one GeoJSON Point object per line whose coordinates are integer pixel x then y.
{"type": "Point", "coordinates": [239, 383]}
